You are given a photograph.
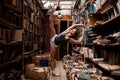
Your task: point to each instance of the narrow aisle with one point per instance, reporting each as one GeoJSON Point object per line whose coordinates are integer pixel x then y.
{"type": "Point", "coordinates": [59, 69]}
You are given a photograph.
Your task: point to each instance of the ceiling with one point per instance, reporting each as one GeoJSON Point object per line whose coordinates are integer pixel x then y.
{"type": "Point", "coordinates": [65, 5]}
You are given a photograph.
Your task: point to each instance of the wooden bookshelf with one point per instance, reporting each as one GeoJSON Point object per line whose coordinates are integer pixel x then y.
{"type": "Point", "coordinates": [103, 21]}
{"type": "Point", "coordinates": [108, 26]}
{"type": "Point", "coordinates": [20, 33]}
{"type": "Point", "coordinates": [11, 35]}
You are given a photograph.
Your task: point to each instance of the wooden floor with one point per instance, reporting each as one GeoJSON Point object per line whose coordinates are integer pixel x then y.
{"type": "Point", "coordinates": [59, 70]}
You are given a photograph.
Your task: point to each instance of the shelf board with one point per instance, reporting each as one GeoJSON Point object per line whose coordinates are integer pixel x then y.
{"type": "Point", "coordinates": [29, 5]}
{"type": "Point", "coordinates": [108, 4]}
{"type": "Point", "coordinates": [13, 8]}
{"type": "Point", "coordinates": [29, 31]}
{"type": "Point", "coordinates": [98, 59]}
{"type": "Point", "coordinates": [11, 43]}
{"type": "Point", "coordinates": [39, 4]}
{"type": "Point", "coordinates": [108, 26]}
{"type": "Point", "coordinates": [30, 52]}
{"type": "Point", "coordinates": [105, 66]}
{"type": "Point", "coordinates": [8, 25]}
{"type": "Point", "coordinates": [116, 73]}
{"type": "Point", "coordinates": [108, 45]}
{"type": "Point", "coordinates": [85, 45]}
{"type": "Point", "coordinates": [109, 67]}
{"type": "Point", "coordinates": [111, 21]}
{"type": "Point", "coordinates": [10, 64]}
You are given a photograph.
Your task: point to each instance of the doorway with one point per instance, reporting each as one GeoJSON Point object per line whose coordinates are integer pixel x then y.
{"type": "Point", "coordinates": [63, 47]}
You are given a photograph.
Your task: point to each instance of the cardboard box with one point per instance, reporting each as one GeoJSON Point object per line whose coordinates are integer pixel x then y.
{"type": "Point", "coordinates": [42, 60]}
{"type": "Point", "coordinates": [35, 73]}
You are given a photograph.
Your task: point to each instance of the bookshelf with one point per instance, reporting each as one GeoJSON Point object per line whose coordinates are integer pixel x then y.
{"type": "Point", "coordinates": [102, 20]}
{"type": "Point", "coordinates": [11, 37]}
{"type": "Point", "coordinates": [32, 30]}
{"type": "Point", "coordinates": [20, 34]}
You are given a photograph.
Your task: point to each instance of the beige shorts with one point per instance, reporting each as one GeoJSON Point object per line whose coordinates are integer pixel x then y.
{"type": "Point", "coordinates": [52, 41]}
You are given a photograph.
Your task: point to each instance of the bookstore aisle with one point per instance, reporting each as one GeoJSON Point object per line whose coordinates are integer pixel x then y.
{"type": "Point", "coordinates": [44, 73]}
{"type": "Point", "coordinates": [59, 70]}
{"type": "Point", "coordinates": [25, 39]}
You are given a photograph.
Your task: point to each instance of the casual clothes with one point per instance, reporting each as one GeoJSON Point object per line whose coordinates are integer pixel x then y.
{"type": "Point", "coordinates": [59, 39]}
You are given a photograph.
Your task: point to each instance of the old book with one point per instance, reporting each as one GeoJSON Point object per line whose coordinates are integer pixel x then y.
{"type": "Point", "coordinates": [32, 17]}
{"type": "Point", "coordinates": [116, 73]}
{"type": "Point", "coordinates": [24, 23]}
{"type": "Point", "coordinates": [0, 11]}
{"type": "Point", "coordinates": [2, 35]}
{"type": "Point", "coordinates": [19, 4]}
{"type": "Point", "coordinates": [98, 59]}
{"type": "Point", "coordinates": [109, 67]}
{"type": "Point", "coordinates": [17, 35]}
{"type": "Point", "coordinates": [85, 52]}
{"type": "Point", "coordinates": [14, 2]}
{"type": "Point", "coordinates": [7, 36]}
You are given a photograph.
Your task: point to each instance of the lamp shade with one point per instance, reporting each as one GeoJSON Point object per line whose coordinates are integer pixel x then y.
{"type": "Point", "coordinates": [58, 8]}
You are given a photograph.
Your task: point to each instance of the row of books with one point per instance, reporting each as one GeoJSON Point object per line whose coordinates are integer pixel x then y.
{"type": "Point", "coordinates": [88, 53]}
{"type": "Point", "coordinates": [28, 47]}
{"type": "Point", "coordinates": [1, 56]}
{"type": "Point", "coordinates": [28, 12]}
{"type": "Point", "coordinates": [31, 26]}
{"type": "Point", "coordinates": [98, 6]}
{"type": "Point", "coordinates": [44, 46]}
{"type": "Point", "coordinates": [15, 3]}
{"type": "Point", "coordinates": [30, 3]}
{"type": "Point", "coordinates": [111, 57]}
{"type": "Point", "coordinates": [30, 38]}
{"type": "Point", "coordinates": [11, 53]}
{"type": "Point", "coordinates": [11, 16]}
{"type": "Point", "coordinates": [90, 36]}
{"type": "Point", "coordinates": [34, 5]}
{"type": "Point", "coordinates": [7, 36]}
{"type": "Point", "coordinates": [24, 16]}
{"type": "Point", "coordinates": [37, 30]}
{"type": "Point", "coordinates": [37, 20]}
{"type": "Point", "coordinates": [31, 17]}
{"type": "Point", "coordinates": [78, 18]}
{"type": "Point", "coordinates": [81, 3]}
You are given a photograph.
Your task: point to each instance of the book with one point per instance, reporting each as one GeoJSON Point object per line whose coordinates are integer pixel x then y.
{"type": "Point", "coordinates": [98, 59]}
{"type": "Point", "coordinates": [0, 11]}
{"type": "Point", "coordinates": [2, 35]}
{"type": "Point", "coordinates": [7, 36]}
{"type": "Point", "coordinates": [117, 72]}
{"type": "Point", "coordinates": [14, 2]}
{"type": "Point", "coordinates": [19, 4]}
{"type": "Point", "coordinates": [118, 6]}
{"type": "Point", "coordinates": [17, 35]}
{"type": "Point", "coordinates": [24, 23]}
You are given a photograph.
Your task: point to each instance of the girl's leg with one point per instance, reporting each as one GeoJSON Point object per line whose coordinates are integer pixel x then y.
{"type": "Point", "coordinates": [53, 49]}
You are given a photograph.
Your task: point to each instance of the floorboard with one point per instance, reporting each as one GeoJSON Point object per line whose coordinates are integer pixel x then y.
{"type": "Point", "coordinates": [59, 70]}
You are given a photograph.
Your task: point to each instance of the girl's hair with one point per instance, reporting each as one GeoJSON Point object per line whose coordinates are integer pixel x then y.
{"type": "Point", "coordinates": [77, 33]}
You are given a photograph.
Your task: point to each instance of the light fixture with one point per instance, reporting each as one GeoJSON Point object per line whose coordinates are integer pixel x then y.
{"type": "Point", "coordinates": [59, 15]}
{"type": "Point", "coordinates": [58, 8]}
